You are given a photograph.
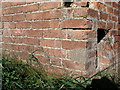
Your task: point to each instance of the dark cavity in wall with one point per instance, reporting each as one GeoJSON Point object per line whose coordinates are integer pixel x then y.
{"type": "Point", "coordinates": [67, 3]}
{"type": "Point", "coordinates": [101, 34]}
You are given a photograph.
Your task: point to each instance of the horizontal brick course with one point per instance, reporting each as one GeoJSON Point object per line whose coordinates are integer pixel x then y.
{"type": "Point", "coordinates": [66, 35]}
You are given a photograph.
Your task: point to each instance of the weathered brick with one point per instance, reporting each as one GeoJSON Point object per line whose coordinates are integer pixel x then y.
{"type": "Point", "coordinates": [41, 24]}
{"type": "Point", "coordinates": [110, 25]}
{"type": "Point", "coordinates": [1, 25]}
{"type": "Point", "coordinates": [23, 25]}
{"type": "Point", "coordinates": [56, 61]}
{"type": "Point", "coordinates": [7, 18]}
{"type": "Point", "coordinates": [73, 44]}
{"type": "Point", "coordinates": [99, 6]}
{"type": "Point", "coordinates": [47, 42]}
{"type": "Point", "coordinates": [72, 65]}
{"type": "Point", "coordinates": [54, 23]}
{"type": "Point", "coordinates": [115, 5]}
{"type": "Point", "coordinates": [56, 70]}
{"type": "Point", "coordinates": [101, 25]}
{"type": "Point", "coordinates": [33, 7]}
{"type": "Point", "coordinates": [80, 12]}
{"type": "Point", "coordinates": [34, 33]}
{"type": "Point", "coordinates": [9, 25]}
{"type": "Point", "coordinates": [43, 59]}
{"type": "Point", "coordinates": [44, 15]}
{"type": "Point", "coordinates": [14, 10]}
{"type": "Point", "coordinates": [49, 5]}
{"type": "Point", "coordinates": [80, 34]}
{"type": "Point", "coordinates": [114, 18]}
{"type": "Point", "coordinates": [54, 34]}
{"type": "Point", "coordinates": [20, 17]}
{"type": "Point", "coordinates": [84, 12]}
{"type": "Point", "coordinates": [21, 2]}
{"type": "Point", "coordinates": [116, 12]}
{"type": "Point", "coordinates": [110, 10]}
{"type": "Point", "coordinates": [103, 16]}
{"type": "Point", "coordinates": [76, 23]}
{"type": "Point", "coordinates": [80, 3]}
{"type": "Point", "coordinates": [31, 41]}
{"type": "Point", "coordinates": [6, 4]}
{"type": "Point", "coordinates": [16, 32]}
{"type": "Point", "coordinates": [56, 52]}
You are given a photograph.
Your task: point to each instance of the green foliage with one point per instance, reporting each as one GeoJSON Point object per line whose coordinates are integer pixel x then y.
{"type": "Point", "coordinates": [21, 76]}
{"type": "Point", "coordinates": [18, 76]}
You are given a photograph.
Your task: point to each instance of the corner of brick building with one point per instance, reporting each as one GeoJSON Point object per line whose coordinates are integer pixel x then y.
{"type": "Point", "coordinates": [77, 37]}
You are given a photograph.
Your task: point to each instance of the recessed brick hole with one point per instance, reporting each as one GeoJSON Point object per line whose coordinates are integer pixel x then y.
{"type": "Point", "coordinates": [67, 4]}
{"type": "Point", "coordinates": [101, 34]}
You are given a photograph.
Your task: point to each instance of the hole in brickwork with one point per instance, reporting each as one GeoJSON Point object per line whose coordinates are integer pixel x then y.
{"type": "Point", "coordinates": [67, 3]}
{"type": "Point", "coordinates": [101, 34]}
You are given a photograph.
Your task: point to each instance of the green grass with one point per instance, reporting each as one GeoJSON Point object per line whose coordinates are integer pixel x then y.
{"type": "Point", "coordinates": [16, 76]}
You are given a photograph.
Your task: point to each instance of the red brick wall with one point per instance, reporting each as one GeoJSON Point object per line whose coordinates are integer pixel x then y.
{"type": "Point", "coordinates": [68, 35]}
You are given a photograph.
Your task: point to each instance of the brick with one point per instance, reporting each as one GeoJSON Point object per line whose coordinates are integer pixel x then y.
{"type": "Point", "coordinates": [43, 59]}
{"type": "Point", "coordinates": [31, 41]}
{"type": "Point", "coordinates": [6, 4]}
{"type": "Point", "coordinates": [7, 18]}
{"type": "Point", "coordinates": [110, 10]}
{"type": "Point", "coordinates": [58, 43]}
{"type": "Point", "coordinates": [80, 34]}
{"type": "Point", "coordinates": [56, 70]}
{"type": "Point", "coordinates": [56, 61]}
{"type": "Point", "coordinates": [1, 25]}
{"type": "Point", "coordinates": [17, 40]}
{"type": "Point", "coordinates": [80, 3]}
{"type": "Point", "coordinates": [16, 32]}
{"type": "Point", "coordinates": [44, 15]}
{"type": "Point", "coordinates": [110, 25]}
{"type": "Point", "coordinates": [54, 23]}
{"type": "Point", "coordinates": [116, 12]}
{"type": "Point", "coordinates": [34, 16]}
{"type": "Point", "coordinates": [49, 5]}
{"type": "Point", "coordinates": [101, 25]}
{"type": "Point", "coordinates": [114, 18]}
{"type": "Point", "coordinates": [92, 54]}
{"type": "Point", "coordinates": [54, 34]}
{"type": "Point", "coordinates": [50, 43]}
{"type": "Point", "coordinates": [115, 5]}
{"type": "Point", "coordinates": [14, 10]}
{"type": "Point", "coordinates": [34, 33]}
{"type": "Point", "coordinates": [9, 25]}
{"type": "Point", "coordinates": [23, 25]}
{"type": "Point", "coordinates": [6, 33]}
{"type": "Point", "coordinates": [55, 52]}
{"type": "Point", "coordinates": [103, 16]}
{"type": "Point", "coordinates": [93, 13]}
{"type": "Point", "coordinates": [47, 42]}
{"type": "Point", "coordinates": [76, 23]}
{"type": "Point", "coordinates": [7, 39]}
{"type": "Point", "coordinates": [33, 7]}
{"type": "Point", "coordinates": [104, 61]}
{"type": "Point", "coordinates": [41, 24]}
{"type": "Point", "coordinates": [84, 12]}
{"type": "Point", "coordinates": [99, 6]}
{"type": "Point", "coordinates": [78, 12]}
{"type": "Point", "coordinates": [109, 3]}
{"type": "Point", "coordinates": [73, 44]}
{"type": "Point", "coordinates": [20, 17]}
{"type": "Point", "coordinates": [21, 2]}
{"type": "Point", "coordinates": [72, 65]}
